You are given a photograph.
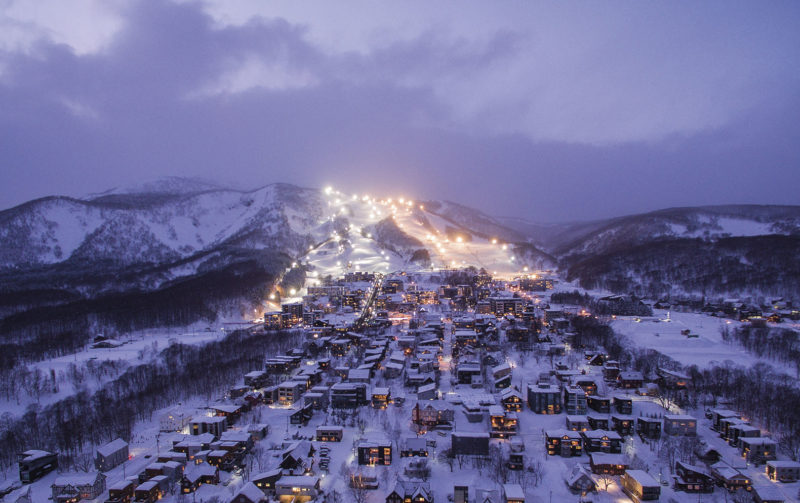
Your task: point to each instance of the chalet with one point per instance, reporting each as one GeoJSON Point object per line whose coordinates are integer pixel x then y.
{"type": "Point", "coordinates": [381, 396]}
{"type": "Point", "coordinates": [432, 413]}
{"type": "Point", "coordinates": [783, 471]}
{"type": "Point", "coordinates": [72, 488]}
{"type": "Point", "coordinates": [249, 493]}
{"type": "Point", "coordinates": [502, 423]}
{"type": "Point", "coordinates": [222, 459]}
{"type": "Point", "coordinates": [640, 485]}
{"type": "Point", "coordinates": [301, 415]}
{"type": "Point", "coordinates": [598, 421]}
{"type": "Point", "coordinates": [574, 400]}
{"type": "Point", "coordinates": [329, 433]}
{"type": "Point", "coordinates": [706, 453]}
{"type": "Point", "coordinates": [680, 425]}
{"type": "Point", "coordinates": [577, 423]}
{"type": "Point", "coordinates": [518, 333]}
{"type": "Point", "coordinates": [414, 447]}
{"type": "Point", "coordinates": [671, 379]}
{"type": "Point", "coordinates": [470, 443]}
{"type": "Point", "coordinates": [265, 481]}
{"type": "Point", "coordinates": [602, 441]}
{"type": "Point", "coordinates": [511, 399]}
{"type": "Point", "coordinates": [730, 478]}
{"type": "Point", "coordinates": [405, 491]}
{"type": "Point", "coordinates": [600, 404]}
{"type": "Point", "coordinates": [648, 427]}
{"type": "Point", "coordinates": [197, 475]}
{"type": "Point", "coordinates": [587, 384]}
{"type": "Point", "coordinates": [298, 457]}
{"type": "Point", "coordinates": [692, 479]}
{"type": "Point", "coordinates": [630, 380]}
{"type": "Point", "coordinates": [623, 404]}
{"type": "Point", "coordinates": [282, 364]}
{"type": "Point", "coordinates": [374, 452]}
{"type": "Point", "coordinates": [544, 399]}
{"type": "Point", "coordinates": [758, 450]}
{"type": "Point", "coordinates": [566, 375]}
{"type": "Point", "coordinates": [580, 481]}
{"type": "Point", "coordinates": [622, 424]}
{"type": "Point", "coordinates": [563, 443]}
{"type": "Point", "coordinates": [358, 376]}
{"type": "Point", "coordinates": [121, 492]}
{"type": "Point", "coordinates": [213, 425]}
{"type": "Point", "coordinates": [348, 395]}
{"type": "Point", "coordinates": [513, 493]}
{"type": "Point", "coordinates": [111, 455]}
{"type": "Point", "coordinates": [297, 489]}
{"type": "Point", "coordinates": [611, 464]}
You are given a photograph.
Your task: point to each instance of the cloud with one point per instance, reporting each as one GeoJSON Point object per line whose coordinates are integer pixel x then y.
{"type": "Point", "coordinates": [504, 117]}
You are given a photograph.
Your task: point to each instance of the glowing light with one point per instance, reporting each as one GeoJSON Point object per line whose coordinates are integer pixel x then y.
{"type": "Point", "coordinates": [421, 206]}
{"type": "Point", "coordinates": [328, 190]}
{"type": "Point", "coordinates": [294, 264]}
{"type": "Point", "coordinates": [292, 291]}
{"type": "Point", "coordinates": [272, 296]}
{"type": "Point", "coordinates": [459, 239]}
{"type": "Point", "coordinates": [494, 241]}
{"type": "Point", "coordinates": [525, 268]}
{"type": "Point", "coordinates": [505, 247]}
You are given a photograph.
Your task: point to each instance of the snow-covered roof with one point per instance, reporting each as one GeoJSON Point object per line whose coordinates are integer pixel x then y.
{"type": "Point", "coordinates": [251, 492]}
{"type": "Point", "coordinates": [112, 447]}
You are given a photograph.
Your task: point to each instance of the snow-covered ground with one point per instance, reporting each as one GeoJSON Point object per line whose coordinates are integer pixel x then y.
{"type": "Point", "coordinates": [662, 332]}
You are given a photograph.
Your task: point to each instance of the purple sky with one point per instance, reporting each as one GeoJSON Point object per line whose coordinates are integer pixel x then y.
{"type": "Point", "coordinates": [548, 111]}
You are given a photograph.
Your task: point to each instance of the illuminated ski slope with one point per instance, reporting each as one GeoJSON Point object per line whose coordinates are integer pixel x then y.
{"type": "Point", "coordinates": [354, 248]}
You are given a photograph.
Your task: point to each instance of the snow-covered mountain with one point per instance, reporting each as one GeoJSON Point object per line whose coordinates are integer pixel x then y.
{"type": "Point", "coordinates": [711, 250]}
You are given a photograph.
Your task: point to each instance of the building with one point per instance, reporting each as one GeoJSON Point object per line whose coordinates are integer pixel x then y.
{"type": "Point", "coordinates": [513, 493]}
{"type": "Point", "coordinates": [783, 471]}
{"type": "Point", "coordinates": [197, 475]}
{"type": "Point", "coordinates": [622, 424]}
{"type": "Point", "coordinates": [574, 400]}
{"type": "Point", "coordinates": [680, 425]}
{"type": "Point", "coordinates": [544, 399]}
{"type": "Point", "coordinates": [214, 425]}
{"type": "Point", "coordinates": [34, 464]}
{"type": "Point", "coordinates": [602, 441]}
{"type": "Point", "coordinates": [470, 443]}
{"type": "Point", "coordinates": [381, 397]}
{"type": "Point", "coordinates": [72, 488]}
{"type": "Point", "coordinates": [564, 443]}
{"type": "Point", "coordinates": [601, 404]}
{"type": "Point", "coordinates": [502, 423]}
{"type": "Point", "coordinates": [290, 391]}
{"type": "Point", "coordinates": [174, 420]}
{"type": "Point", "coordinates": [250, 493]}
{"type": "Point", "coordinates": [432, 413]}
{"type": "Point", "coordinates": [374, 452]}
{"type": "Point", "coordinates": [329, 433]}
{"type": "Point", "coordinates": [692, 479]}
{"type": "Point", "coordinates": [348, 395]}
{"type": "Point", "coordinates": [577, 423]}
{"type": "Point", "coordinates": [758, 450]}
{"type": "Point", "coordinates": [640, 485]}
{"type": "Point", "coordinates": [623, 404]}
{"type": "Point", "coordinates": [121, 492]}
{"type": "Point", "coordinates": [297, 488]}
{"type": "Point", "coordinates": [111, 455]}
{"type": "Point", "coordinates": [630, 380]}
{"type": "Point", "coordinates": [648, 427]}
{"type": "Point", "coordinates": [511, 399]}
{"type": "Point", "coordinates": [405, 491]}
{"type": "Point", "coordinates": [265, 481]}
{"type": "Point", "coordinates": [610, 464]}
